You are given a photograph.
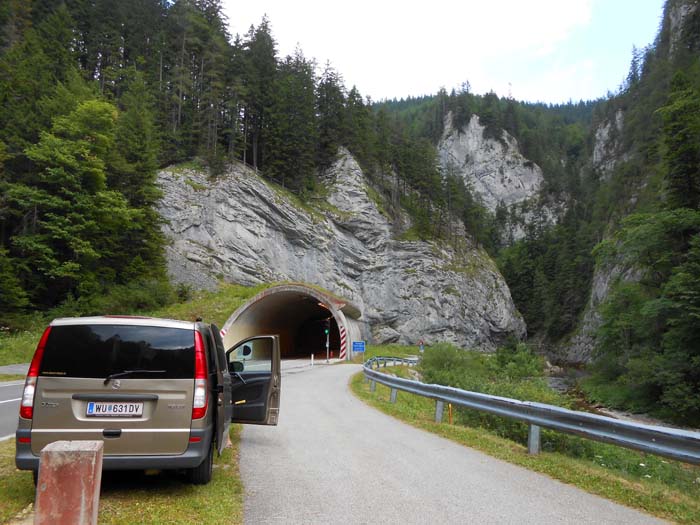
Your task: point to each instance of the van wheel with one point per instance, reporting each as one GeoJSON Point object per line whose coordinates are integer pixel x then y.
{"type": "Point", "coordinates": [201, 475]}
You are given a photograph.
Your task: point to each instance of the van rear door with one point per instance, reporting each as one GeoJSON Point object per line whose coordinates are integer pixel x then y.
{"type": "Point", "coordinates": [254, 365]}
{"type": "Point", "coordinates": [130, 386]}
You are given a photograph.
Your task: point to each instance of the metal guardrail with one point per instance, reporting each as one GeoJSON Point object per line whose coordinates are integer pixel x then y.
{"type": "Point", "coordinates": [674, 443]}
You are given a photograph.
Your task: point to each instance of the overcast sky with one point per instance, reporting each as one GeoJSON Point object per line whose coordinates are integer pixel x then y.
{"type": "Point", "coordinates": [536, 50]}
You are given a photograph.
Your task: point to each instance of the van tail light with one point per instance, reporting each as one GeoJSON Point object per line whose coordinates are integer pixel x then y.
{"type": "Point", "coordinates": [26, 407]}
{"type": "Point", "coordinates": [199, 405]}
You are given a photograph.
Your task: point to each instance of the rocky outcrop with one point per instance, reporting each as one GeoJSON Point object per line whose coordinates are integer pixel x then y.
{"type": "Point", "coordinates": [607, 146]}
{"type": "Point", "coordinates": [582, 344]}
{"type": "Point", "coordinates": [494, 169]}
{"type": "Point", "coordinates": [241, 229]}
{"type": "Point", "coordinates": [678, 13]}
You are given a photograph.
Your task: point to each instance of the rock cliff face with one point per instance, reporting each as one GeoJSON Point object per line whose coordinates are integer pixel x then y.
{"type": "Point", "coordinates": [498, 173]}
{"type": "Point", "coordinates": [606, 147]}
{"type": "Point", "coordinates": [240, 229]}
{"type": "Point", "coordinates": [496, 170]}
{"type": "Point", "coordinates": [678, 12]}
{"type": "Point", "coordinates": [607, 153]}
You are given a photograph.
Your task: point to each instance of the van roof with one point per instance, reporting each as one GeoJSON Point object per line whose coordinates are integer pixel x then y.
{"type": "Point", "coordinates": [123, 320]}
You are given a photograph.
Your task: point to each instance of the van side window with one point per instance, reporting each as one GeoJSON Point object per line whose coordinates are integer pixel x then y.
{"type": "Point", "coordinates": [254, 355]}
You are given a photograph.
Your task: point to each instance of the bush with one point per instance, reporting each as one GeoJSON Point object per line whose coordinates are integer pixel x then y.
{"type": "Point", "coordinates": [513, 372]}
{"type": "Point", "coordinates": [143, 294]}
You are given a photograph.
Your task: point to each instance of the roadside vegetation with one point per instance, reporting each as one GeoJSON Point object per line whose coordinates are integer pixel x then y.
{"type": "Point", "coordinates": [661, 487]}
{"type": "Point", "coordinates": [129, 497]}
{"type": "Point", "coordinates": [18, 341]}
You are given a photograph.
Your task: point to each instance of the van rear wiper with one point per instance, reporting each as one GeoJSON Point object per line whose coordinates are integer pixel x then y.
{"type": "Point", "coordinates": [129, 372]}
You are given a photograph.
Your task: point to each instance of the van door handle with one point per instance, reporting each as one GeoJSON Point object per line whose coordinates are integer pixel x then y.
{"type": "Point", "coordinates": [112, 433]}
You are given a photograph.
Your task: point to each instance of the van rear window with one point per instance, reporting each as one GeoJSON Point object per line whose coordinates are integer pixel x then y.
{"type": "Point", "coordinates": [99, 350]}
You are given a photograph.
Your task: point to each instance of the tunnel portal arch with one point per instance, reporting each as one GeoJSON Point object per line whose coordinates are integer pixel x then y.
{"type": "Point", "coordinates": [297, 313]}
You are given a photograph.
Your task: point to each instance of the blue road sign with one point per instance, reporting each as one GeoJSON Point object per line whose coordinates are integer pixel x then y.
{"type": "Point", "coordinates": [358, 346]}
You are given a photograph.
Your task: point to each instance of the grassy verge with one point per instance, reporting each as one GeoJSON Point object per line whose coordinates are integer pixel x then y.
{"type": "Point", "coordinates": [386, 351]}
{"type": "Point", "coordinates": [660, 487]}
{"type": "Point", "coordinates": [16, 487]}
{"type": "Point", "coordinates": [11, 377]}
{"type": "Point", "coordinates": [130, 497]}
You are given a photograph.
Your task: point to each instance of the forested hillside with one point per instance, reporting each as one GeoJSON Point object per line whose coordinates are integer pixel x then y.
{"type": "Point", "coordinates": [96, 95]}
{"type": "Point", "coordinates": [635, 218]}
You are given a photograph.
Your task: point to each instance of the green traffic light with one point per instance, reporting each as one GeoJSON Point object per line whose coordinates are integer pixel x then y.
{"type": "Point", "coordinates": [326, 331]}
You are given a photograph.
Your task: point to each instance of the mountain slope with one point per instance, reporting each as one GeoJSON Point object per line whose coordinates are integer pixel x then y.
{"type": "Point", "coordinates": [242, 229]}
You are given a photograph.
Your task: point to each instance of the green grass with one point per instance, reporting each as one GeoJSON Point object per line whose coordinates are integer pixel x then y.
{"type": "Point", "coordinates": [195, 185]}
{"type": "Point", "coordinates": [11, 377]}
{"type": "Point", "coordinates": [135, 497]}
{"type": "Point", "coordinates": [195, 164]}
{"type": "Point", "coordinates": [661, 487]}
{"type": "Point", "coordinates": [16, 487]}
{"type": "Point", "coordinates": [19, 347]}
{"type": "Point", "coordinates": [214, 307]}
{"type": "Point", "coordinates": [377, 199]}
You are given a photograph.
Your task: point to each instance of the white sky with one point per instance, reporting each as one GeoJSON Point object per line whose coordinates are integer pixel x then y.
{"type": "Point", "coordinates": [537, 50]}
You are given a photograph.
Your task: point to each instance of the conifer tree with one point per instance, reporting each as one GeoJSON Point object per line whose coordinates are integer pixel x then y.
{"type": "Point", "coordinates": [682, 137]}
{"type": "Point", "coordinates": [290, 151]}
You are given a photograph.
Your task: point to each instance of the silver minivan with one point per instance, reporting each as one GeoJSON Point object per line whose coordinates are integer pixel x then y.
{"type": "Point", "coordinates": [159, 393]}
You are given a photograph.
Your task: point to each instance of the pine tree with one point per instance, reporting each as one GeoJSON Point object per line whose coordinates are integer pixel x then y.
{"type": "Point", "coordinates": [682, 138]}
{"type": "Point", "coordinates": [289, 154]}
{"type": "Point", "coordinates": [261, 70]}
{"type": "Point", "coordinates": [330, 109]}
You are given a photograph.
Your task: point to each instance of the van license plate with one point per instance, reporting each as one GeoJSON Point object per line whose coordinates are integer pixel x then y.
{"type": "Point", "coordinates": [95, 409]}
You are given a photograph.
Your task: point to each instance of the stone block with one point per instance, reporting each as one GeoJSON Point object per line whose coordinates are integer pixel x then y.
{"type": "Point", "coordinates": [68, 488]}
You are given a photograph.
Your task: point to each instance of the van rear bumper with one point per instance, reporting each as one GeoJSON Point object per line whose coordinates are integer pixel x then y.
{"type": "Point", "coordinates": [192, 457]}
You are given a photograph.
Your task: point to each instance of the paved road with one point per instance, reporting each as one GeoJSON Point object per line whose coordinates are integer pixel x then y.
{"type": "Point", "coordinates": [10, 394]}
{"type": "Point", "coordinates": [333, 459]}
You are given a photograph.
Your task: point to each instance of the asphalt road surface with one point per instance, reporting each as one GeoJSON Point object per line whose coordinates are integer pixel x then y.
{"type": "Point", "coordinates": [333, 459]}
{"type": "Point", "coordinates": [10, 394]}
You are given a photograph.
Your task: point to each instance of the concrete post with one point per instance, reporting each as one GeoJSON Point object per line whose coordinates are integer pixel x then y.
{"type": "Point", "coordinates": [393, 395]}
{"type": "Point", "coordinates": [439, 407]}
{"type": "Point", "coordinates": [372, 386]}
{"type": "Point", "coordinates": [533, 440]}
{"type": "Point", "coordinates": [68, 488]}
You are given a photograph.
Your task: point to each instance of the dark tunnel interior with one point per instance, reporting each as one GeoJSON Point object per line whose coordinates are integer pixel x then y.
{"type": "Point", "coordinates": [298, 318]}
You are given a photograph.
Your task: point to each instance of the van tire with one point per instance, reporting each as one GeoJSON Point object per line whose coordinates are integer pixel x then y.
{"type": "Point", "coordinates": [201, 475]}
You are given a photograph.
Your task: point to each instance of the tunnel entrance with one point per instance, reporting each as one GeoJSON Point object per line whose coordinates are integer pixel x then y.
{"type": "Point", "coordinates": [299, 314]}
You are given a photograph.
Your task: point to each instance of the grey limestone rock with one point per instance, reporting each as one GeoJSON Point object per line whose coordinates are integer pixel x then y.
{"type": "Point", "coordinates": [496, 170]}
{"type": "Point", "coordinates": [240, 229]}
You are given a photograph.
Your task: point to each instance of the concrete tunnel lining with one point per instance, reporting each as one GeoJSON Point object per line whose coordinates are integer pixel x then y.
{"type": "Point", "coordinates": [296, 312]}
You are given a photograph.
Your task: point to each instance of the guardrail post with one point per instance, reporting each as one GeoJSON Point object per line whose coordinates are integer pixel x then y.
{"type": "Point", "coordinates": [393, 395]}
{"type": "Point", "coordinates": [372, 386]}
{"type": "Point", "coordinates": [384, 363]}
{"type": "Point", "coordinates": [68, 488]}
{"type": "Point", "coordinates": [533, 440]}
{"type": "Point", "coordinates": [439, 407]}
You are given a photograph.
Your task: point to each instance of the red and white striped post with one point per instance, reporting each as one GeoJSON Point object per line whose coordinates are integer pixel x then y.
{"type": "Point", "coordinates": [343, 343]}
